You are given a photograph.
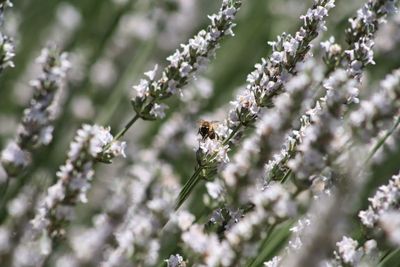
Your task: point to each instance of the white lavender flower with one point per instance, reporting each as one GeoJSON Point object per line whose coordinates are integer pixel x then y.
{"type": "Point", "coordinates": [212, 150]}
{"type": "Point", "coordinates": [3, 5]}
{"type": "Point", "coordinates": [91, 143]}
{"type": "Point", "coordinates": [7, 52]}
{"type": "Point", "coordinates": [36, 126]}
{"type": "Point", "coordinates": [150, 204]}
{"type": "Point", "coordinates": [271, 128]}
{"type": "Point", "coordinates": [13, 158]}
{"type": "Point", "coordinates": [379, 110]}
{"type": "Point", "coordinates": [211, 251]}
{"type": "Point", "coordinates": [350, 253]}
{"type": "Point", "coordinates": [315, 145]}
{"type": "Point", "coordinates": [274, 262]}
{"type": "Point", "coordinates": [361, 32]}
{"type": "Point", "coordinates": [332, 53]}
{"type": "Point", "coordinates": [385, 199]}
{"type": "Point", "coordinates": [271, 206]}
{"type": "Point", "coordinates": [389, 221]}
{"type": "Point", "coordinates": [175, 261]}
{"type": "Point", "coordinates": [158, 110]}
{"type": "Point", "coordinates": [184, 63]}
{"type": "Point", "coordinates": [347, 250]}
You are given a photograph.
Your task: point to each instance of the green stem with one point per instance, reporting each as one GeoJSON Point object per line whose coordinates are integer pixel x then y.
{"type": "Point", "coordinates": [382, 140]}
{"type": "Point", "coordinates": [263, 244]}
{"type": "Point", "coordinates": [234, 131]}
{"type": "Point", "coordinates": [3, 191]}
{"type": "Point", "coordinates": [286, 176]}
{"type": "Point", "coordinates": [122, 132]}
{"type": "Point", "coordinates": [188, 187]}
{"type": "Point", "coordinates": [126, 128]}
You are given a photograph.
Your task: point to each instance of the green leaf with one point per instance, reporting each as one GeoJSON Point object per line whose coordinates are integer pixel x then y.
{"type": "Point", "coordinates": [272, 244]}
{"type": "Point", "coordinates": [391, 260]}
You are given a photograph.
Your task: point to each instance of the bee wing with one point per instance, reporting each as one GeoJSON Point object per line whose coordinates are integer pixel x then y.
{"type": "Point", "coordinates": [201, 121]}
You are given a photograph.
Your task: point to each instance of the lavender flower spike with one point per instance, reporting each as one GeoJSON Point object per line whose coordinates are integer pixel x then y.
{"type": "Point", "coordinates": [183, 64]}
{"type": "Point", "coordinates": [6, 52]}
{"type": "Point", "coordinates": [385, 199]}
{"type": "Point", "coordinates": [36, 127]}
{"type": "Point", "coordinates": [361, 32]}
{"type": "Point", "coordinates": [75, 177]}
{"type": "Point", "coordinates": [6, 45]}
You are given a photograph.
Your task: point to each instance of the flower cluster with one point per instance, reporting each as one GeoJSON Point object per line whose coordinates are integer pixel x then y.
{"type": "Point", "coordinates": [208, 247]}
{"type": "Point", "coordinates": [350, 253]}
{"type": "Point", "coordinates": [150, 203]}
{"type": "Point", "coordinates": [375, 113]}
{"type": "Point", "coordinates": [6, 44]}
{"type": "Point", "coordinates": [91, 143]}
{"type": "Point", "coordinates": [270, 76]}
{"type": "Point", "coordinates": [6, 52]}
{"type": "Point", "coordinates": [36, 128]}
{"type": "Point", "coordinates": [270, 206]}
{"type": "Point", "coordinates": [361, 32]}
{"type": "Point", "coordinates": [183, 64]}
{"type": "Point", "coordinates": [386, 198]}
{"type": "Point", "coordinates": [272, 127]}
{"type": "Point", "coordinates": [317, 137]}
{"type": "Point", "coordinates": [3, 5]}
{"type": "Point", "coordinates": [175, 261]}
{"type": "Point", "coordinates": [332, 53]}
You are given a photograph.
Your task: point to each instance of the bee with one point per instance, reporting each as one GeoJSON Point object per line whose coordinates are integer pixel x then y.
{"type": "Point", "coordinates": [207, 129]}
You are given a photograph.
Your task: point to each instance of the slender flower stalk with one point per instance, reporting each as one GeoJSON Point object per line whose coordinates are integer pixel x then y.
{"type": "Point", "coordinates": [267, 81]}
{"type": "Point", "coordinates": [75, 178]}
{"type": "Point", "coordinates": [36, 128]}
